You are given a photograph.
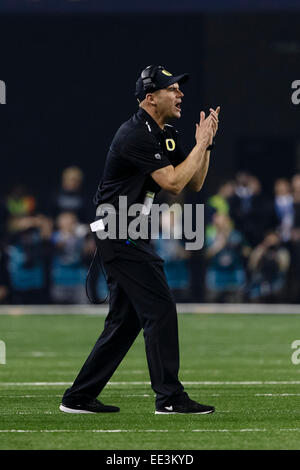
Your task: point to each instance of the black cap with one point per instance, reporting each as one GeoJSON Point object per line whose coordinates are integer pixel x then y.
{"type": "Point", "coordinates": [156, 77]}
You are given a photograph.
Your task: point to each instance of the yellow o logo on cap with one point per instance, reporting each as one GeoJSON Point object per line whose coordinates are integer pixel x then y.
{"type": "Point", "coordinates": [170, 144]}
{"type": "Point", "coordinates": [165, 72]}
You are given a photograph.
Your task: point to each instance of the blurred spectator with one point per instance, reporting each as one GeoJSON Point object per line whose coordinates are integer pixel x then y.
{"type": "Point", "coordinates": [70, 196]}
{"type": "Point", "coordinates": [243, 192]}
{"type": "Point", "coordinates": [175, 256]}
{"type": "Point", "coordinates": [268, 267]}
{"type": "Point", "coordinates": [36, 262]}
{"type": "Point", "coordinates": [220, 202]}
{"type": "Point", "coordinates": [69, 255]}
{"type": "Point", "coordinates": [20, 201]}
{"type": "Point", "coordinates": [250, 209]}
{"type": "Point", "coordinates": [27, 259]}
{"type": "Point", "coordinates": [284, 208]}
{"type": "Point", "coordinates": [225, 251]}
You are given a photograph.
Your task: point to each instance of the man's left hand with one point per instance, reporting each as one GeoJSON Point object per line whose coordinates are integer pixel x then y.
{"type": "Point", "coordinates": [214, 114]}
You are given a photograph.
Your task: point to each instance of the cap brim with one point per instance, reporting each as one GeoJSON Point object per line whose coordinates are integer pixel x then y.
{"type": "Point", "coordinates": [180, 79]}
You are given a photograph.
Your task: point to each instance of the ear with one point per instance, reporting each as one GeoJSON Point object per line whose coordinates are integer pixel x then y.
{"type": "Point", "coordinates": [150, 98]}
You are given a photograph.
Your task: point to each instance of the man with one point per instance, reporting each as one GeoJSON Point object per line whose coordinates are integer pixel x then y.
{"type": "Point", "coordinates": [70, 197]}
{"type": "Point", "coordinates": [144, 156]}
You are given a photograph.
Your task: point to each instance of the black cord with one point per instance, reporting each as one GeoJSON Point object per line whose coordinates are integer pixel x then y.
{"type": "Point", "coordinates": [96, 254]}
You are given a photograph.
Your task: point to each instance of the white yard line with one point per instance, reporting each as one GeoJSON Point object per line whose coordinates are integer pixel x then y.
{"type": "Point", "coordinates": [141, 430]}
{"type": "Point", "coordinates": [57, 384]}
{"type": "Point", "coordinates": [277, 395]}
{"type": "Point", "coordinates": [34, 384]}
{"type": "Point", "coordinates": [30, 396]}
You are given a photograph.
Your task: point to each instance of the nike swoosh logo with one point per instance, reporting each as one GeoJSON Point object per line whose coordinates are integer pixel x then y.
{"type": "Point", "coordinates": [169, 408]}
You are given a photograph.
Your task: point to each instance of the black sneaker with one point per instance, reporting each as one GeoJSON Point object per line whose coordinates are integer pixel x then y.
{"type": "Point", "coordinates": [184, 404]}
{"type": "Point", "coordinates": [93, 406]}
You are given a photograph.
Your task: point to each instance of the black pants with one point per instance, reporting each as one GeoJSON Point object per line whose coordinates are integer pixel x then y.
{"type": "Point", "coordinates": [139, 298]}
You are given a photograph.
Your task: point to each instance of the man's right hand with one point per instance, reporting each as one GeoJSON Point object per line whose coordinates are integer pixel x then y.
{"type": "Point", "coordinates": [206, 128]}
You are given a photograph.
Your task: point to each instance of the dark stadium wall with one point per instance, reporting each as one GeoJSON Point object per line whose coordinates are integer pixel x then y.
{"type": "Point", "coordinates": [250, 63]}
{"type": "Point", "coordinates": [70, 83]}
{"type": "Point", "coordinates": [136, 6]}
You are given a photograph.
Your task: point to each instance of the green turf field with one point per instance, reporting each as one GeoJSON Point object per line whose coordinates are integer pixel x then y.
{"type": "Point", "coordinates": [241, 364]}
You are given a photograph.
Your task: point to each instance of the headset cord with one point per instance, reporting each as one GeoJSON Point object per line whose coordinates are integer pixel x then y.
{"type": "Point", "coordinates": [96, 255]}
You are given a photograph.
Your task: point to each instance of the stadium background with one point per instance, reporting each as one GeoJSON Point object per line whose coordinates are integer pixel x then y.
{"type": "Point", "coordinates": [70, 70]}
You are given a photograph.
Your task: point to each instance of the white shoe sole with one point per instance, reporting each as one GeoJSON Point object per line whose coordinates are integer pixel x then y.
{"type": "Point", "coordinates": [177, 413]}
{"type": "Point", "coordinates": [65, 409]}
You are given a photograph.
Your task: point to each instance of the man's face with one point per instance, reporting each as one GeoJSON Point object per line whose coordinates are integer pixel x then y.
{"type": "Point", "coordinates": [168, 101]}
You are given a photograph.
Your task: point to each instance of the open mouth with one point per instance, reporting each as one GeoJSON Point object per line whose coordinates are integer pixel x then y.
{"type": "Point", "coordinates": [178, 106]}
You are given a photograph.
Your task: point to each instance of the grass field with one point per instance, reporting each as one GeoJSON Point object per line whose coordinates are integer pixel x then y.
{"type": "Point", "coordinates": [241, 364]}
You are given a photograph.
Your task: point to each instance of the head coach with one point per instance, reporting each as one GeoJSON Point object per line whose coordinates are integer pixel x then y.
{"type": "Point", "coordinates": [145, 156]}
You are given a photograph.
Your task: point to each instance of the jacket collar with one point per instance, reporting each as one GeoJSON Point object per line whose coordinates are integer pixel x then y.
{"type": "Point", "coordinates": [144, 116]}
